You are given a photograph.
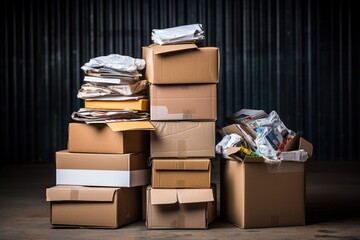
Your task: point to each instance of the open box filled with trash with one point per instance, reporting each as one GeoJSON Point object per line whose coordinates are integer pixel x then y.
{"type": "Point", "coordinates": [262, 171]}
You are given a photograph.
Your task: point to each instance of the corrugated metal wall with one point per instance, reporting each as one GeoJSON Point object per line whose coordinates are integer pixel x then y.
{"type": "Point", "coordinates": [300, 58]}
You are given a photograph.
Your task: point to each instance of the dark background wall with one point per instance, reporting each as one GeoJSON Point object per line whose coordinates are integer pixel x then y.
{"type": "Point", "coordinates": [297, 57]}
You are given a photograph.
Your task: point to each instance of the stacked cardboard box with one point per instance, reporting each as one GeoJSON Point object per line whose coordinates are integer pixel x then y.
{"type": "Point", "coordinates": [183, 110]}
{"type": "Point", "coordinates": [100, 176]}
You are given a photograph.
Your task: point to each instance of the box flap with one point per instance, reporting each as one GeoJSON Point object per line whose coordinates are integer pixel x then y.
{"type": "Point", "coordinates": [79, 193]}
{"type": "Point", "coordinates": [163, 196]}
{"type": "Point", "coordinates": [249, 159]}
{"type": "Point", "coordinates": [232, 150]}
{"type": "Point", "coordinates": [175, 164]}
{"type": "Point", "coordinates": [307, 146]}
{"type": "Point", "coordinates": [297, 143]}
{"type": "Point", "coordinates": [171, 196]}
{"type": "Point", "coordinates": [130, 125]}
{"type": "Point", "coordinates": [159, 49]}
{"type": "Point", "coordinates": [293, 144]}
{"type": "Point", "coordinates": [195, 195]}
{"type": "Point", "coordinates": [232, 129]}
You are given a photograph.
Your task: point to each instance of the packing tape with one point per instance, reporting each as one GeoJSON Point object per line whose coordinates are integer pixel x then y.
{"type": "Point", "coordinates": [74, 195]}
{"type": "Point", "coordinates": [181, 165]}
{"type": "Point", "coordinates": [181, 145]}
{"type": "Point", "coordinates": [285, 167]}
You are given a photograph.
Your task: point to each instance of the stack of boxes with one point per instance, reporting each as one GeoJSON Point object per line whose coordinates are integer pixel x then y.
{"type": "Point", "coordinates": [100, 176]}
{"type": "Point", "coordinates": [183, 110]}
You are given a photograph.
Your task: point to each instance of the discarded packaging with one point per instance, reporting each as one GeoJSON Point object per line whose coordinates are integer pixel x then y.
{"type": "Point", "coordinates": [192, 33]}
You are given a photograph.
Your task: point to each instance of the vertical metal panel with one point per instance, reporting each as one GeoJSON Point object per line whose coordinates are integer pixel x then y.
{"type": "Point", "coordinates": [297, 57]}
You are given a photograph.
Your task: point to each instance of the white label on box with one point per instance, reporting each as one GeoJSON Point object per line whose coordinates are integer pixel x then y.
{"type": "Point", "coordinates": [162, 113]}
{"type": "Point", "coordinates": [104, 178]}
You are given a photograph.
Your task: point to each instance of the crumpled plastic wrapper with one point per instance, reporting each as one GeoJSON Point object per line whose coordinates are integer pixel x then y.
{"type": "Point", "coordinates": [192, 33]}
{"type": "Point", "coordinates": [114, 62]}
{"type": "Point", "coordinates": [227, 141]}
{"type": "Point", "coordinates": [273, 136]}
{"type": "Point", "coordinates": [296, 156]}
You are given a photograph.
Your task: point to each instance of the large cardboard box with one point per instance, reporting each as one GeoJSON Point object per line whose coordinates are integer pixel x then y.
{"type": "Point", "coordinates": [258, 194]}
{"type": "Point", "coordinates": [180, 208]}
{"type": "Point", "coordinates": [182, 139]}
{"type": "Point", "coordinates": [181, 173]}
{"type": "Point", "coordinates": [100, 138]}
{"type": "Point", "coordinates": [183, 102]}
{"type": "Point", "coordinates": [93, 206]}
{"type": "Point", "coordinates": [96, 169]}
{"type": "Point", "coordinates": [181, 63]}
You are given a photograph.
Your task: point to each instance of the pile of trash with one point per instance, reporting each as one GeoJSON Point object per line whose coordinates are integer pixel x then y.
{"type": "Point", "coordinates": [260, 135]}
{"type": "Point", "coordinates": [113, 90]}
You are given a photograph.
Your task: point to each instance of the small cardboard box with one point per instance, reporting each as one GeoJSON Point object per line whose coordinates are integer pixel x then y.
{"type": "Point", "coordinates": [181, 63]}
{"type": "Point", "coordinates": [180, 208]}
{"type": "Point", "coordinates": [96, 169]}
{"type": "Point", "coordinates": [182, 139]}
{"type": "Point", "coordinates": [93, 206]}
{"type": "Point", "coordinates": [181, 173]}
{"type": "Point", "coordinates": [100, 138]}
{"type": "Point", "coordinates": [257, 194]}
{"type": "Point", "coordinates": [183, 102]}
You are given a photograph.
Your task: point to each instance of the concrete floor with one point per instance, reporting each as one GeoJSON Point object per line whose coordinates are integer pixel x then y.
{"type": "Point", "coordinates": [332, 212]}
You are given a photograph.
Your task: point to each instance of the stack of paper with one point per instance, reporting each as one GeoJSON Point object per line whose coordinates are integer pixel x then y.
{"type": "Point", "coordinates": [113, 91]}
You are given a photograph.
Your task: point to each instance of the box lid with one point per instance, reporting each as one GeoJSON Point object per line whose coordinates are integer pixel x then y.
{"type": "Point", "coordinates": [160, 49]}
{"type": "Point", "coordinates": [171, 196]}
{"type": "Point", "coordinates": [130, 125]}
{"type": "Point", "coordinates": [181, 164]}
{"type": "Point", "coordinates": [79, 193]}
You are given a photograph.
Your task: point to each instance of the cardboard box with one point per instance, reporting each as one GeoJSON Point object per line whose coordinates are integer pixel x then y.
{"type": "Point", "coordinates": [181, 63]}
{"type": "Point", "coordinates": [182, 139]}
{"type": "Point", "coordinates": [180, 208]}
{"type": "Point", "coordinates": [94, 207]}
{"type": "Point", "coordinates": [96, 169]}
{"type": "Point", "coordinates": [258, 194]}
{"type": "Point", "coordinates": [100, 138]}
{"type": "Point", "coordinates": [181, 173]}
{"type": "Point", "coordinates": [183, 102]}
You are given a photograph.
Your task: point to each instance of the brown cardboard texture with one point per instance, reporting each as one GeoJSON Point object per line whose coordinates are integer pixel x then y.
{"type": "Point", "coordinates": [180, 208]}
{"type": "Point", "coordinates": [94, 207]}
{"type": "Point", "coordinates": [181, 173]}
{"type": "Point", "coordinates": [99, 138]}
{"type": "Point", "coordinates": [183, 102]}
{"type": "Point", "coordinates": [258, 194]}
{"type": "Point", "coordinates": [130, 125]}
{"type": "Point", "coordinates": [181, 63]}
{"type": "Point", "coordinates": [96, 169]}
{"type": "Point", "coordinates": [183, 139]}
{"type": "Point", "coordinates": [139, 105]}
